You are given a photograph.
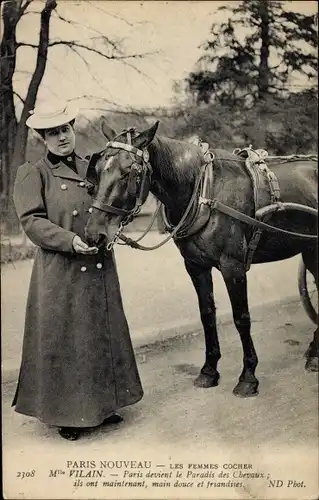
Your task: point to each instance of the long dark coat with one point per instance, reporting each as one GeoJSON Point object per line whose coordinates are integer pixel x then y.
{"type": "Point", "coordinates": [78, 364]}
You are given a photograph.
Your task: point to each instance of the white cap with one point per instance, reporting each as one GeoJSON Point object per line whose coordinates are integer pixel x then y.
{"type": "Point", "coordinates": [46, 116]}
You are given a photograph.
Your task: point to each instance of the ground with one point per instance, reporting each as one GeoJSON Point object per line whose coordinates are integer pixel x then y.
{"type": "Point", "coordinates": [159, 298]}
{"type": "Point", "coordinates": [275, 433]}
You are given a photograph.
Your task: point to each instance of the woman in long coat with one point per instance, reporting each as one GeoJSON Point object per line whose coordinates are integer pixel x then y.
{"type": "Point", "coordinates": [78, 365]}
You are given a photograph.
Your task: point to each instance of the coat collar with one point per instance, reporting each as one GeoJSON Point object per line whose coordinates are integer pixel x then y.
{"type": "Point", "coordinates": [62, 170]}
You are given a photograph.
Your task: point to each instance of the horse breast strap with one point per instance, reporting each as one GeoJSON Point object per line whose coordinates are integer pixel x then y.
{"type": "Point", "coordinates": [200, 211]}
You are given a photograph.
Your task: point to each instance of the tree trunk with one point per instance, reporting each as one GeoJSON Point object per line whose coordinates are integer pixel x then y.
{"type": "Point", "coordinates": [8, 122]}
{"type": "Point", "coordinates": [30, 100]}
{"type": "Point", "coordinates": [21, 136]}
{"type": "Point", "coordinates": [263, 70]}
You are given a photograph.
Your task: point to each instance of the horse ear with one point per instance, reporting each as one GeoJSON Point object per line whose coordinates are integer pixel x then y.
{"type": "Point", "coordinates": [145, 138]}
{"type": "Point", "coordinates": [106, 130]}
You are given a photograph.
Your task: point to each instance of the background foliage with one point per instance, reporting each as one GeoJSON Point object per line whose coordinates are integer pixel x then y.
{"type": "Point", "coordinates": [255, 83]}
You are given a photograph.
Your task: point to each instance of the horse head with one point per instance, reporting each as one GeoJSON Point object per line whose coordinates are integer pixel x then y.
{"type": "Point", "coordinates": [124, 175]}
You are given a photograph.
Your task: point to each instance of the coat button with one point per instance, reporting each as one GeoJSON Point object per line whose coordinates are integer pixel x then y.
{"type": "Point", "coordinates": [64, 187]}
{"type": "Point", "coordinates": [99, 265]}
{"type": "Point", "coordinates": [82, 184]}
{"type": "Point", "coordinates": [75, 212]}
{"type": "Point", "coordinates": [90, 210]}
{"type": "Point", "coordinates": [69, 158]}
{"type": "Point", "coordinates": [83, 269]}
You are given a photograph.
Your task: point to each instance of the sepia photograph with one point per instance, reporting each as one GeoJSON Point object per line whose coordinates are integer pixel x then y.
{"type": "Point", "coordinates": [159, 249]}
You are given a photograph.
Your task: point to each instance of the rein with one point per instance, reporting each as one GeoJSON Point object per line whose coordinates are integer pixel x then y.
{"type": "Point", "coordinates": [142, 168]}
{"type": "Point", "coordinates": [134, 244]}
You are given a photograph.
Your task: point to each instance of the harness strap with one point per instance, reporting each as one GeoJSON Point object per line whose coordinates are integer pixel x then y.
{"type": "Point", "coordinates": [254, 173]}
{"type": "Point", "coordinates": [104, 207]}
{"type": "Point", "coordinates": [213, 204]}
{"type": "Point", "coordinates": [256, 167]}
{"type": "Point", "coordinates": [294, 157]}
{"type": "Point", "coordinates": [127, 147]}
{"type": "Point", "coordinates": [252, 247]}
{"type": "Point", "coordinates": [217, 205]}
{"type": "Point", "coordinates": [138, 167]}
{"type": "Point", "coordinates": [199, 215]}
{"type": "Point", "coordinates": [134, 244]}
{"type": "Point", "coordinates": [141, 193]}
{"type": "Point", "coordinates": [273, 183]}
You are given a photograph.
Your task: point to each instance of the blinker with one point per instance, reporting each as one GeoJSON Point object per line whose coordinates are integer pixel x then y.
{"type": "Point", "coordinates": [137, 187]}
{"type": "Point", "coordinates": [133, 181]}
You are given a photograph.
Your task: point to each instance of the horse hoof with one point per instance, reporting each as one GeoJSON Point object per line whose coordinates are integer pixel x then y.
{"type": "Point", "coordinates": [204, 381]}
{"type": "Point", "coordinates": [312, 364]}
{"type": "Point", "coordinates": [246, 389]}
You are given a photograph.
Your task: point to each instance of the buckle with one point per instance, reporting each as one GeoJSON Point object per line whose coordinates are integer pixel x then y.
{"type": "Point", "coordinates": [209, 156]}
{"type": "Point", "coordinates": [146, 155]}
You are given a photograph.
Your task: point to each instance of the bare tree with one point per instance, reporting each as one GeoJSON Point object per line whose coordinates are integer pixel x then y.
{"type": "Point", "coordinates": [14, 133]}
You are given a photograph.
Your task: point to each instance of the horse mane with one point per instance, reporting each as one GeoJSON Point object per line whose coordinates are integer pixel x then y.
{"type": "Point", "coordinates": [187, 157]}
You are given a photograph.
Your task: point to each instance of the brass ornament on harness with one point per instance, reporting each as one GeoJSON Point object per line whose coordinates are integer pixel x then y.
{"type": "Point", "coordinates": [201, 205]}
{"type": "Point", "coordinates": [129, 214]}
{"type": "Point", "coordinates": [205, 206]}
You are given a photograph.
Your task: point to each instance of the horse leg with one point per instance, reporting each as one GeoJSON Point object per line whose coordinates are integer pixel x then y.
{"type": "Point", "coordinates": [203, 283]}
{"type": "Point", "coordinates": [310, 259]}
{"type": "Point", "coordinates": [235, 279]}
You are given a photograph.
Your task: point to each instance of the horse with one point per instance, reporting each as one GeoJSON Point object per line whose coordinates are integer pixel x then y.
{"type": "Point", "coordinates": [136, 163]}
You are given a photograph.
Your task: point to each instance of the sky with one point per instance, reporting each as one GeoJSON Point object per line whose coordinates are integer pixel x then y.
{"type": "Point", "coordinates": [169, 32]}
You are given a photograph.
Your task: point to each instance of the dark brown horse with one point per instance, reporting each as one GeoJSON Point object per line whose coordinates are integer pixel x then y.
{"type": "Point", "coordinates": [221, 243]}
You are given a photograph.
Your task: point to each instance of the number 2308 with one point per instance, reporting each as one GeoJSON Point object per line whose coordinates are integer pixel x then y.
{"type": "Point", "coordinates": [22, 475]}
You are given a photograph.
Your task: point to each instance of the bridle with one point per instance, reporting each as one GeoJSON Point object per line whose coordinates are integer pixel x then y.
{"type": "Point", "coordinates": [140, 173]}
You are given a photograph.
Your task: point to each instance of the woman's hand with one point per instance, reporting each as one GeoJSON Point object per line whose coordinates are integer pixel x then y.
{"type": "Point", "coordinates": [81, 247]}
